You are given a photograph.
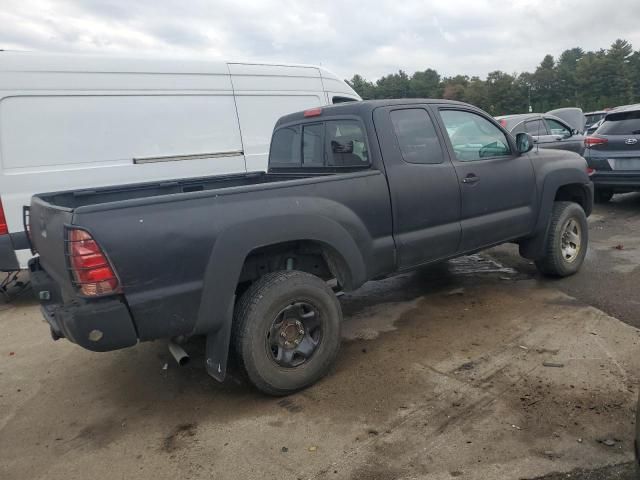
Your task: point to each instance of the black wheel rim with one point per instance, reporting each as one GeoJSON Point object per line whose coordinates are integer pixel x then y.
{"type": "Point", "coordinates": [294, 335]}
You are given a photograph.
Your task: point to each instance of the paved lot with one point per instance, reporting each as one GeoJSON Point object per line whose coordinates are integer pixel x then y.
{"type": "Point", "coordinates": [442, 375]}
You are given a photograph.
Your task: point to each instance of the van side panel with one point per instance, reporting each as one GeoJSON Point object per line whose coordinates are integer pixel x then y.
{"type": "Point", "coordinates": [52, 131]}
{"type": "Point", "coordinates": [71, 122]}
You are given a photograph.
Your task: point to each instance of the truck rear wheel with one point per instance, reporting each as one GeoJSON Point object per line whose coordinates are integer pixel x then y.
{"type": "Point", "coordinates": [567, 240]}
{"type": "Point", "coordinates": [287, 331]}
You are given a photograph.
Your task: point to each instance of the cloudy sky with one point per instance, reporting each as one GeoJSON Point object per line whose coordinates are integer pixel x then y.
{"type": "Point", "coordinates": [371, 37]}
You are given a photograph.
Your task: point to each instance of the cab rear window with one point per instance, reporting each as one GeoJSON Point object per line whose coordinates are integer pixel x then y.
{"type": "Point", "coordinates": [333, 144]}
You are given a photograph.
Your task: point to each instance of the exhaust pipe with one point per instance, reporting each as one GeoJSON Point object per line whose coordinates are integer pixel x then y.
{"type": "Point", "coordinates": [178, 353]}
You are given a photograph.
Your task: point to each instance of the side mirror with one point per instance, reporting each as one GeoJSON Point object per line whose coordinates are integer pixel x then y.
{"type": "Point", "coordinates": [524, 142]}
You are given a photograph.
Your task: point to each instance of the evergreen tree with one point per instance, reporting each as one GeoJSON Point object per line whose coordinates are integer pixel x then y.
{"type": "Point", "coordinates": [590, 80]}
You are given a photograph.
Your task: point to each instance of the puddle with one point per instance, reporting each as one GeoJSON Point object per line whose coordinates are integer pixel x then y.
{"type": "Point", "coordinates": [371, 322]}
{"type": "Point", "coordinates": [472, 264]}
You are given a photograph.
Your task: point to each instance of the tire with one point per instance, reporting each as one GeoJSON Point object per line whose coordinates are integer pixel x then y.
{"type": "Point", "coordinates": [556, 261]}
{"type": "Point", "coordinates": [602, 195]}
{"type": "Point", "coordinates": [268, 321]}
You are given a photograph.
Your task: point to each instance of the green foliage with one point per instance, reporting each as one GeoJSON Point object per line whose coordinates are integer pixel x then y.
{"type": "Point", "coordinates": [590, 80]}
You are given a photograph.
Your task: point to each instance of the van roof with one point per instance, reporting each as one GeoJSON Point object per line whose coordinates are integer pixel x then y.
{"type": "Point", "coordinates": [22, 61]}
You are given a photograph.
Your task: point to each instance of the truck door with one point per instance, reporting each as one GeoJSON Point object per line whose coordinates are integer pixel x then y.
{"type": "Point", "coordinates": [424, 189]}
{"type": "Point", "coordinates": [498, 189]}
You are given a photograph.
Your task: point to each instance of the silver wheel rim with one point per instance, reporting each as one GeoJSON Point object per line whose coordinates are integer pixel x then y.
{"type": "Point", "coordinates": [570, 240]}
{"type": "Point", "coordinates": [294, 335]}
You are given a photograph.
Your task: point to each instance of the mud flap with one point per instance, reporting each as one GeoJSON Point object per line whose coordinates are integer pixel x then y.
{"type": "Point", "coordinates": [217, 347]}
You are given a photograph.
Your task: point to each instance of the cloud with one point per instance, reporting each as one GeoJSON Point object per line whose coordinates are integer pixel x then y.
{"type": "Point", "coordinates": [371, 38]}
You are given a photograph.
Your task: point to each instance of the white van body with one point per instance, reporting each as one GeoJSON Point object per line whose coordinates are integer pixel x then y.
{"type": "Point", "coordinates": [77, 121]}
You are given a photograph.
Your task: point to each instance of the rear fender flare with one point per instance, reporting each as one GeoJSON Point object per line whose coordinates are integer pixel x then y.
{"type": "Point", "coordinates": [233, 245]}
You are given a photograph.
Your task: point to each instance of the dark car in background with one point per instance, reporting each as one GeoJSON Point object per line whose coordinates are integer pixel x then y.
{"type": "Point", "coordinates": [593, 120]}
{"type": "Point", "coordinates": [547, 130]}
{"type": "Point", "coordinates": [613, 153]}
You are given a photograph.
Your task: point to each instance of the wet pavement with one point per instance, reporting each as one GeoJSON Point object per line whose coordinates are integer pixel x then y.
{"type": "Point", "coordinates": [475, 369]}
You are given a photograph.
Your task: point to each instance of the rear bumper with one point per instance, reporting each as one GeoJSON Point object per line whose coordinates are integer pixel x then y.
{"type": "Point", "coordinates": [100, 325]}
{"type": "Point", "coordinates": [620, 181]}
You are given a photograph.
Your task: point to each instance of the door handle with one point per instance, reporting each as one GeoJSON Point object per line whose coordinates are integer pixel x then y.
{"type": "Point", "coordinates": [471, 178]}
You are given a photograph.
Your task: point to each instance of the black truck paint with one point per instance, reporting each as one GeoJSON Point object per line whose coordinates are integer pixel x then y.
{"type": "Point", "coordinates": [185, 250]}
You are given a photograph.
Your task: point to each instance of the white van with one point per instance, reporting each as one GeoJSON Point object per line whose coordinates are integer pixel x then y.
{"type": "Point", "coordinates": [76, 121]}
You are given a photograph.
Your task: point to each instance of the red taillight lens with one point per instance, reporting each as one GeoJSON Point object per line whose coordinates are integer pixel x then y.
{"type": "Point", "coordinates": [503, 122]}
{"type": "Point", "coordinates": [313, 112]}
{"type": "Point", "coordinates": [90, 269]}
{"type": "Point", "coordinates": [4, 228]}
{"type": "Point", "coordinates": [590, 171]}
{"type": "Point", "coordinates": [593, 141]}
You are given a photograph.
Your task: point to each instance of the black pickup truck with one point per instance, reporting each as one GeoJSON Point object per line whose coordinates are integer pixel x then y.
{"type": "Point", "coordinates": [354, 192]}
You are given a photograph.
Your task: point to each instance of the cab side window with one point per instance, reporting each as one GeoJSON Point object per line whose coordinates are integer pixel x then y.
{"type": "Point", "coordinates": [473, 137]}
{"type": "Point", "coordinates": [416, 136]}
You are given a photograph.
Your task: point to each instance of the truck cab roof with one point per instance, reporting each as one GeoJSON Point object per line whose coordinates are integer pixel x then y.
{"type": "Point", "coordinates": [362, 108]}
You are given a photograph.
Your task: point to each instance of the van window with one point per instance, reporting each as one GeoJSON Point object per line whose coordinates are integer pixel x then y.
{"type": "Point", "coordinates": [346, 145]}
{"type": "Point", "coordinates": [342, 99]}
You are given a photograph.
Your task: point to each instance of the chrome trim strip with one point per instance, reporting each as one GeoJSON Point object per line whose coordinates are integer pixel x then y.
{"type": "Point", "coordinates": [197, 156]}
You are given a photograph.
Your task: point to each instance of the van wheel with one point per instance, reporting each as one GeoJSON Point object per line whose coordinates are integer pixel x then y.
{"type": "Point", "coordinates": [567, 240]}
{"type": "Point", "coordinates": [287, 331]}
{"type": "Point", "coordinates": [602, 195]}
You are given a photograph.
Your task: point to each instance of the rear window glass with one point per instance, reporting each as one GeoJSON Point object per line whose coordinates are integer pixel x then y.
{"type": "Point", "coordinates": [416, 136]}
{"type": "Point", "coordinates": [312, 149]}
{"type": "Point", "coordinates": [334, 143]}
{"type": "Point", "coordinates": [623, 123]}
{"type": "Point", "coordinates": [346, 145]}
{"type": "Point", "coordinates": [285, 146]}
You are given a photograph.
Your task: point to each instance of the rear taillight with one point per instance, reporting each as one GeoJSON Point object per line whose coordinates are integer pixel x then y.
{"type": "Point", "coordinates": [590, 171]}
{"type": "Point", "coordinates": [4, 228]}
{"type": "Point", "coordinates": [503, 122]}
{"type": "Point", "coordinates": [593, 141]}
{"type": "Point", "coordinates": [90, 268]}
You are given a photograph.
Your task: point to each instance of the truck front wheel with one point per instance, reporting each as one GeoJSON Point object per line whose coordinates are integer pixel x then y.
{"type": "Point", "coordinates": [567, 240]}
{"type": "Point", "coordinates": [287, 331]}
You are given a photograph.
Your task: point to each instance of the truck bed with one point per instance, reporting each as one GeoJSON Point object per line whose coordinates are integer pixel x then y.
{"type": "Point", "coordinates": [71, 200]}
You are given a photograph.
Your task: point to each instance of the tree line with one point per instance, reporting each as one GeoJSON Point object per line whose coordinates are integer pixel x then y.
{"type": "Point", "coordinates": [589, 80]}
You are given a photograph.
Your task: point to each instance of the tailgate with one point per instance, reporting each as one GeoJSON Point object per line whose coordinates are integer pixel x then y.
{"type": "Point", "coordinates": [48, 237]}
